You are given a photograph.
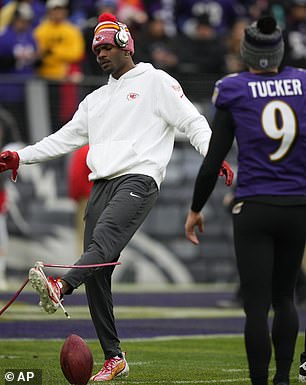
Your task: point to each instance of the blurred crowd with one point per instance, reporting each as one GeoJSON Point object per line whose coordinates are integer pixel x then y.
{"type": "Point", "coordinates": [190, 39]}
{"type": "Point", "coordinates": [52, 38]}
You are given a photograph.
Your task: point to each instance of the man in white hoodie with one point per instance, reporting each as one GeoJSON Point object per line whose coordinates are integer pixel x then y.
{"type": "Point", "coordinates": [130, 127]}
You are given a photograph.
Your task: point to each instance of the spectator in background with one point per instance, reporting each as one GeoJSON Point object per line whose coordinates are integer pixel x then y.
{"type": "Point", "coordinates": [203, 53]}
{"type": "Point", "coordinates": [110, 6]}
{"type": "Point", "coordinates": [296, 34]}
{"type": "Point", "coordinates": [166, 11]}
{"type": "Point", "coordinates": [59, 41]}
{"type": "Point", "coordinates": [233, 60]}
{"type": "Point", "coordinates": [79, 188]}
{"type": "Point", "coordinates": [132, 12]}
{"type": "Point", "coordinates": [80, 11]}
{"type": "Point", "coordinates": [221, 14]}
{"type": "Point", "coordinates": [278, 8]}
{"type": "Point", "coordinates": [9, 9]}
{"type": "Point", "coordinates": [256, 8]}
{"type": "Point", "coordinates": [154, 46]}
{"type": "Point", "coordinates": [62, 48]}
{"type": "Point", "coordinates": [18, 53]}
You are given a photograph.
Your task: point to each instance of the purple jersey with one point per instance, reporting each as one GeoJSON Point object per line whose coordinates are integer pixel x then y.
{"type": "Point", "coordinates": [10, 43]}
{"type": "Point", "coordinates": [221, 13]}
{"type": "Point", "coordinates": [269, 112]}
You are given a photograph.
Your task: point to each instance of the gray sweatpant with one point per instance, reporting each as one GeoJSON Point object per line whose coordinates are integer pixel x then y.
{"type": "Point", "coordinates": [115, 210]}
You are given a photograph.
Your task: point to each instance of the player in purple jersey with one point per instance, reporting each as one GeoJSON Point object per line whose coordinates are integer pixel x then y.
{"type": "Point", "coordinates": [265, 110]}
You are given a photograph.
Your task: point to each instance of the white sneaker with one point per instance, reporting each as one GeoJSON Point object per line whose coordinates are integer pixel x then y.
{"type": "Point", "coordinates": [48, 289]}
{"type": "Point", "coordinates": [114, 367]}
{"type": "Point", "coordinates": [302, 370]}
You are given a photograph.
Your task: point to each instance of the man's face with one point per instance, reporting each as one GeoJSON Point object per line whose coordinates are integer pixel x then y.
{"type": "Point", "coordinates": [58, 14]}
{"type": "Point", "coordinates": [111, 59]}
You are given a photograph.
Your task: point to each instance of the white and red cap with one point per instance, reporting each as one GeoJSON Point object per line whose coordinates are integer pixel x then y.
{"type": "Point", "coordinates": [106, 31]}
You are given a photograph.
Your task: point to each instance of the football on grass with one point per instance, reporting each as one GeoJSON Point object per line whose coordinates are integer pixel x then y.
{"type": "Point", "coordinates": [76, 360]}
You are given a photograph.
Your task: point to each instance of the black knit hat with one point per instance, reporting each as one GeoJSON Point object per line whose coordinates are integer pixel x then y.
{"type": "Point", "coordinates": [262, 47]}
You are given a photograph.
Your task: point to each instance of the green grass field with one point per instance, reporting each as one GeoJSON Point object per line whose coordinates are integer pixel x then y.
{"type": "Point", "coordinates": [194, 360]}
{"type": "Point", "coordinates": [209, 359]}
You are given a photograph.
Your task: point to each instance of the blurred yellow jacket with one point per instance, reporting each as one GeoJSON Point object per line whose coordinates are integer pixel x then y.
{"type": "Point", "coordinates": [60, 45]}
{"type": "Point", "coordinates": [6, 14]}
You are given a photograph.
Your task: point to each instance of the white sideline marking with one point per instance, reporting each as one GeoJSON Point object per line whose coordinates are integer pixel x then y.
{"type": "Point", "coordinates": [138, 339]}
{"type": "Point", "coordinates": [176, 337]}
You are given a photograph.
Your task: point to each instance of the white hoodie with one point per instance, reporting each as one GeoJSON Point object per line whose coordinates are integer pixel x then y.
{"type": "Point", "coordinates": [129, 125]}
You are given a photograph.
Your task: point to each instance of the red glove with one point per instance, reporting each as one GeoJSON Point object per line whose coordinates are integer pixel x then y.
{"type": "Point", "coordinates": [9, 160]}
{"type": "Point", "coordinates": [226, 171]}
